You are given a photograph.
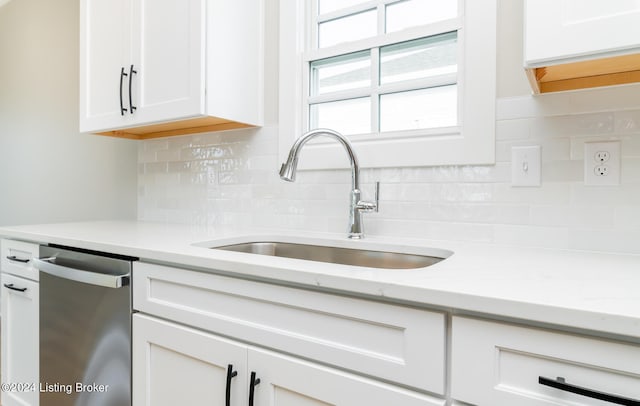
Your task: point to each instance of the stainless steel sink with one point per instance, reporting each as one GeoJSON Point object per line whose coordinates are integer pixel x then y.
{"type": "Point", "coordinates": [335, 255]}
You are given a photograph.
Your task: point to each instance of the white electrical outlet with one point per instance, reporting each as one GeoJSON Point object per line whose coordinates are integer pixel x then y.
{"type": "Point", "coordinates": [602, 156]}
{"type": "Point", "coordinates": [602, 163]}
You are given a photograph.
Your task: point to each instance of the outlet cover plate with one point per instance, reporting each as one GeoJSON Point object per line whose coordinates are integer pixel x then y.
{"type": "Point", "coordinates": [525, 166]}
{"type": "Point", "coordinates": [602, 163]}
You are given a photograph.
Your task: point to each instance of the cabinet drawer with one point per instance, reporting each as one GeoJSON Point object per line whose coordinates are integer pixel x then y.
{"type": "Point", "coordinates": [499, 364]}
{"type": "Point", "coordinates": [395, 343]}
{"type": "Point", "coordinates": [16, 258]}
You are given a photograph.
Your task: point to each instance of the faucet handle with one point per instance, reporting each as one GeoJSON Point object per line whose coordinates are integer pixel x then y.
{"type": "Point", "coordinates": [377, 196]}
{"type": "Point", "coordinates": [370, 206]}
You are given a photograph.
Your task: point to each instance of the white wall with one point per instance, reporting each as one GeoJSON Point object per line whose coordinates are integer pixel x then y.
{"type": "Point", "coordinates": [231, 177]}
{"type": "Point", "coordinates": [48, 171]}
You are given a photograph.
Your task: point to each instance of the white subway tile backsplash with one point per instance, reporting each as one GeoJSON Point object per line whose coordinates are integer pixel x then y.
{"type": "Point", "coordinates": [155, 167]}
{"type": "Point", "coordinates": [230, 178]}
{"type": "Point", "coordinates": [612, 196]}
{"type": "Point", "coordinates": [630, 172]}
{"type": "Point", "coordinates": [612, 98]}
{"type": "Point", "coordinates": [619, 239]}
{"type": "Point", "coordinates": [547, 193]}
{"type": "Point", "coordinates": [627, 217]}
{"type": "Point", "coordinates": [531, 235]}
{"type": "Point", "coordinates": [593, 216]}
{"type": "Point", "coordinates": [516, 129]}
{"type": "Point", "coordinates": [627, 121]}
{"type": "Point", "coordinates": [563, 171]}
{"type": "Point", "coordinates": [631, 146]}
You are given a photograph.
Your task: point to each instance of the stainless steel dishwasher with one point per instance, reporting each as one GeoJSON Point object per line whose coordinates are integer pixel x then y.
{"type": "Point", "coordinates": [85, 327]}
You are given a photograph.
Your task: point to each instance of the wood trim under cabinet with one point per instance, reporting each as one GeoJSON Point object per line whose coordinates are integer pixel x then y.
{"type": "Point", "coordinates": [611, 71]}
{"type": "Point", "coordinates": [181, 127]}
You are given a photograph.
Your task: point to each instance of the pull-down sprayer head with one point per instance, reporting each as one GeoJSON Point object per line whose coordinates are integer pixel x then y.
{"type": "Point", "coordinates": [288, 169]}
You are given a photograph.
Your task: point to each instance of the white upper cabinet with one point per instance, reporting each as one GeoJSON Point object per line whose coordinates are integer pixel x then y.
{"type": "Point", "coordinates": [164, 67]}
{"type": "Point", "coordinates": [168, 56]}
{"type": "Point", "coordinates": [573, 44]}
{"type": "Point", "coordinates": [104, 51]}
{"type": "Point", "coordinates": [559, 30]}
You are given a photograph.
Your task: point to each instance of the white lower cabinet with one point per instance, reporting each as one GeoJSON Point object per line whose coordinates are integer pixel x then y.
{"type": "Point", "coordinates": [389, 342]}
{"type": "Point", "coordinates": [178, 365]}
{"type": "Point", "coordinates": [202, 338]}
{"type": "Point", "coordinates": [175, 364]}
{"type": "Point", "coordinates": [20, 363]}
{"type": "Point", "coordinates": [501, 364]}
{"type": "Point", "coordinates": [288, 381]}
{"type": "Point", "coordinates": [20, 324]}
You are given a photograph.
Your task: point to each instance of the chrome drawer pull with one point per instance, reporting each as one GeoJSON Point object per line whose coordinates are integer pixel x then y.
{"type": "Point", "coordinates": [559, 383]}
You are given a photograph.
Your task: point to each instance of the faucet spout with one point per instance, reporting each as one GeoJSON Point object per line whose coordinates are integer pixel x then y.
{"type": "Point", "coordinates": [289, 168]}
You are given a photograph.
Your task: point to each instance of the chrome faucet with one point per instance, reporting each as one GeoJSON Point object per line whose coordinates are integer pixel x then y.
{"type": "Point", "coordinates": [357, 206]}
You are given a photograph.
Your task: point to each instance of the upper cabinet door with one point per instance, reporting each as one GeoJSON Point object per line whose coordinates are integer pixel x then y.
{"type": "Point", "coordinates": [168, 59]}
{"type": "Point", "coordinates": [155, 68]}
{"type": "Point", "coordinates": [570, 30]}
{"type": "Point", "coordinates": [104, 51]}
{"type": "Point", "coordinates": [141, 62]}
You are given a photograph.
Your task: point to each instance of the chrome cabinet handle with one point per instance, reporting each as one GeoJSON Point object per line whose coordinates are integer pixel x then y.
{"type": "Point", "coordinates": [132, 108]}
{"type": "Point", "coordinates": [16, 259]}
{"type": "Point", "coordinates": [122, 75]}
{"type": "Point", "coordinates": [230, 375]}
{"type": "Point", "coordinates": [49, 266]}
{"type": "Point", "coordinates": [560, 383]}
{"type": "Point", "coordinates": [10, 286]}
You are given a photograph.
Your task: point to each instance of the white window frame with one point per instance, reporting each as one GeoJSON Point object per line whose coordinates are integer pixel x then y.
{"type": "Point", "coordinates": [471, 142]}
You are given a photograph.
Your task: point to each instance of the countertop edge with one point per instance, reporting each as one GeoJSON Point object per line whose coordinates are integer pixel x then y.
{"type": "Point", "coordinates": [604, 322]}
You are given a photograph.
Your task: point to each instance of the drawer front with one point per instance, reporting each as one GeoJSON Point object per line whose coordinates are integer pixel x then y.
{"type": "Point", "coordinates": [499, 364]}
{"type": "Point", "coordinates": [16, 258]}
{"type": "Point", "coordinates": [391, 342]}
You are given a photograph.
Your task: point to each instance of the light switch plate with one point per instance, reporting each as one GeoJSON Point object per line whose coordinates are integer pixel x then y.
{"type": "Point", "coordinates": [525, 166]}
{"type": "Point", "coordinates": [602, 163]}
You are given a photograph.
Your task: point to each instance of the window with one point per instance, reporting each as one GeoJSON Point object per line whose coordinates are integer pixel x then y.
{"type": "Point", "coordinates": [410, 82]}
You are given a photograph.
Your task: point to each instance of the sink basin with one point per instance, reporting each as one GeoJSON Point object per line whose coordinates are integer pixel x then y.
{"type": "Point", "coordinates": [336, 255]}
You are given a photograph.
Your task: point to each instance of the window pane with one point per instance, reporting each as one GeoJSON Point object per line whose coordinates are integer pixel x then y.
{"type": "Point", "coordinates": [327, 6]}
{"type": "Point", "coordinates": [410, 13]}
{"type": "Point", "coordinates": [346, 116]}
{"type": "Point", "coordinates": [418, 59]}
{"type": "Point", "coordinates": [425, 108]}
{"type": "Point", "coordinates": [349, 28]}
{"type": "Point", "coordinates": [344, 72]}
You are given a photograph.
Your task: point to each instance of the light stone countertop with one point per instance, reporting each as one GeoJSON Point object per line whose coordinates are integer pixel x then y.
{"type": "Point", "coordinates": [574, 289]}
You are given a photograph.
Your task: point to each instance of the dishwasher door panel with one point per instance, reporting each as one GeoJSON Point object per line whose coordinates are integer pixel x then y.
{"type": "Point", "coordinates": [85, 338]}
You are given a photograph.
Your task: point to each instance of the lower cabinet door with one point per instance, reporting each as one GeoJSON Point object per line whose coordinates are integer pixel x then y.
{"type": "Point", "coordinates": [177, 365]}
{"type": "Point", "coordinates": [20, 362]}
{"type": "Point", "coordinates": [278, 380]}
